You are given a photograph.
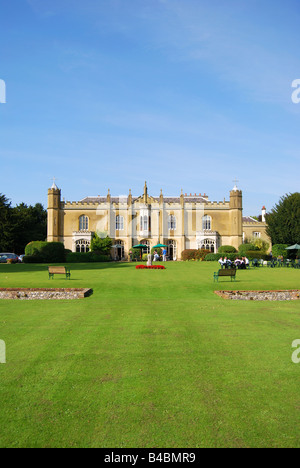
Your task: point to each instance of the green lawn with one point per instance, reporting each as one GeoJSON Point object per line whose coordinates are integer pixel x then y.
{"type": "Point", "coordinates": [151, 359]}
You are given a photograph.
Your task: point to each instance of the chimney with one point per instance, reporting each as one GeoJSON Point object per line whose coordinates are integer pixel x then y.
{"type": "Point", "coordinates": [263, 214]}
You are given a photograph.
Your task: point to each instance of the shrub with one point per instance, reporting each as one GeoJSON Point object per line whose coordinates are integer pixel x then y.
{"type": "Point", "coordinates": [280, 249]}
{"type": "Point", "coordinates": [256, 254]}
{"type": "Point", "coordinates": [86, 257]}
{"type": "Point", "coordinates": [201, 254]}
{"type": "Point", "coordinates": [243, 248]}
{"type": "Point", "coordinates": [45, 252]}
{"type": "Point", "coordinates": [135, 254]}
{"type": "Point", "coordinates": [194, 254]}
{"type": "Point", "coordinates": [101, 245]}
{"type": "Point", "coordinates": [227, 249]}
{"type": "Point", "coordinates": [213, 257]}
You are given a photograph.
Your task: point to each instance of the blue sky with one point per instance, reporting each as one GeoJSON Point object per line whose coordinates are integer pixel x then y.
{"type": "Point", "coordinates": [185, 94]}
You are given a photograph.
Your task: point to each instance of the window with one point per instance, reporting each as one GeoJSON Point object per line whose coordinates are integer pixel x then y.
{"type": "Point", "coordinates": [208, 244]}
{"type": "Point", "coordinates": [119, 250]}
{"type": "Point", "coordinates": [146, 249]}
{"type": "Point", "coordinates": [82, 246]}
{"type": "Point", "coordinates": [172, 249]}
{"type": "Point", "coordinates": [83, 223]}
{"type": "Point", "coordinates": [206, 223]}
{"type": "Point", "coordinates": [172, 223]}
{"type": "Point", "coordinates": [119, 223]}
{"type": "Point", "coordinates": [256, 234]}
{"type": "Point", "coordinates": [144, 223]}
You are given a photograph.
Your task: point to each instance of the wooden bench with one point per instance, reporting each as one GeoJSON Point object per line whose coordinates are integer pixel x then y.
{"type": "Point", "coordinates": [58, 271]}
{"type": "Point", "coordinates": [228, 272]}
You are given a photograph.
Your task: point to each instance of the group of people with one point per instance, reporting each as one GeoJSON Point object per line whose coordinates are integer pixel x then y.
{"type": "Point", "coordinates": [156, 256]}
{"type": "Point", "coordinates": [240, 263]}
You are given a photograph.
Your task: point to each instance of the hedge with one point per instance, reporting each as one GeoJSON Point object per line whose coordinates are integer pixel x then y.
{"type": "Point", "coordinates": [243, 248]}
{"type": "Point", "coordinates": [44, 252]}
{"type": "Point", "coordinates": [227, 249]}
{"type": "Point", "coordinates": [194, 254]}
{"type": "Point", "coordinates": [257, 254]}
{"type": "Point", "coordinates": [86, 257]}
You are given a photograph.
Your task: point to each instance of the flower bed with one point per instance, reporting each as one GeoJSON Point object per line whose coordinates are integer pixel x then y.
{"type": "Point", "coordinates": [285, 295]}
{"type": "Point", "coordinates": [152, 267]}
{"type": "Point", "coordinates": [44, 293]}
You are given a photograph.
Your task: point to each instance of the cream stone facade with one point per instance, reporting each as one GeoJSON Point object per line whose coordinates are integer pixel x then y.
{"type": "Point", "coordinates": [183, 222]}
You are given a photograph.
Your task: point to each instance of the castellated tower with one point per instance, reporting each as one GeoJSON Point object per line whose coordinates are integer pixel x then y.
{"type": "Point", "coordinates": [236, 217]}
{"type": "Point", "coordinates": [54, 222]}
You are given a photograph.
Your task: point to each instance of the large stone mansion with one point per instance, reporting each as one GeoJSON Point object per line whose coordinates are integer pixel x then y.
{"type": "Point", "coordinates": [182, 222]}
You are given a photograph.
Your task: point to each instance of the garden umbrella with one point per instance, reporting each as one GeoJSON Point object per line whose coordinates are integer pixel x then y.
{"type": "Point", "coordinates": [158, 246]}
{"type": "Point", "coordinates": [293, 247]}
{"type": "Point", "coordinates": [140, 246]}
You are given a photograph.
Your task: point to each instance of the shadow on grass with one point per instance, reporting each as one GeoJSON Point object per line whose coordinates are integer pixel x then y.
{"type": "Point", "coordinates": [36, 267]}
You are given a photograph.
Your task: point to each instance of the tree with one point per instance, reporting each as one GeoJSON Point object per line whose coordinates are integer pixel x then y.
{"type": "Point", "coordinates": [29, 223]}
{"type": "Point", "coordinates": [100, 245]}
{"type": "Point", "coordinates": [20, 225]}
{"type": "Point", "coordinates": [284, 220]}
{"type": "Point", "coordinates": [5, 223]}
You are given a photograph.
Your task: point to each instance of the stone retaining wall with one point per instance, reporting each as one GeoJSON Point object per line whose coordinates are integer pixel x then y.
{"type": "Point", "coordinates": [44, 293]}
{"type": "Point", "coordinates": [284, 295]}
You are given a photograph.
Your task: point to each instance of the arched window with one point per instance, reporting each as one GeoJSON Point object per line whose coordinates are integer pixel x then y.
{"type": "Point", "coordinates": [206, 223]}
{"type": "Point", "coordinates": [208, 244]}
{"type": "Point", "coordinates": [83, 223]}
{"type": "Point", "coordinates": [82, 246]}
{"type": "Point", "coordinates": [172, 249]}
{"type": "Point", "coordinates": [119, 223]}
{"type": "Point", "coordinates": [172, 223]}
{"type": "Point", "coordinates": [119, 250]}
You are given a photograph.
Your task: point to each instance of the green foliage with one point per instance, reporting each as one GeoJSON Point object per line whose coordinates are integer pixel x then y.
{"type": "Point", "coordinates": [21, 224]}
{"type": "Point", "coordinates": [284, 220]}
{"type": "Point", "coordinates": [243, 248]}
{"type": "Point", "coordinates": [280, 250]}
{"type": "Point", "coordinates": [101, 245]}
{"type": "Point", "coordinates": [256, 254]}
{"type": "Point", "coordinates": [45, 252]}
{"type": "Point", "coordinates": [227, 249]}
{"type": "Point", "coordinates": [213, 257]}
{"type": "Point", "coordinates": [135, 254]}
{"type": "Point", "coordinates": [5, 224]}
{"type": "Point", "coordinates": [86, 257]}
{"type": "Point", "coordinates": [260, 244]}
{"type": "Point", "coordinates": [194, 254]}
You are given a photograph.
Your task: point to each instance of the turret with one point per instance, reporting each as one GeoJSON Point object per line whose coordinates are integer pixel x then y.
{"type": "Point", "coordinates": [236, 216]}
{"type": "Point", "coordinates": [54, 200]}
